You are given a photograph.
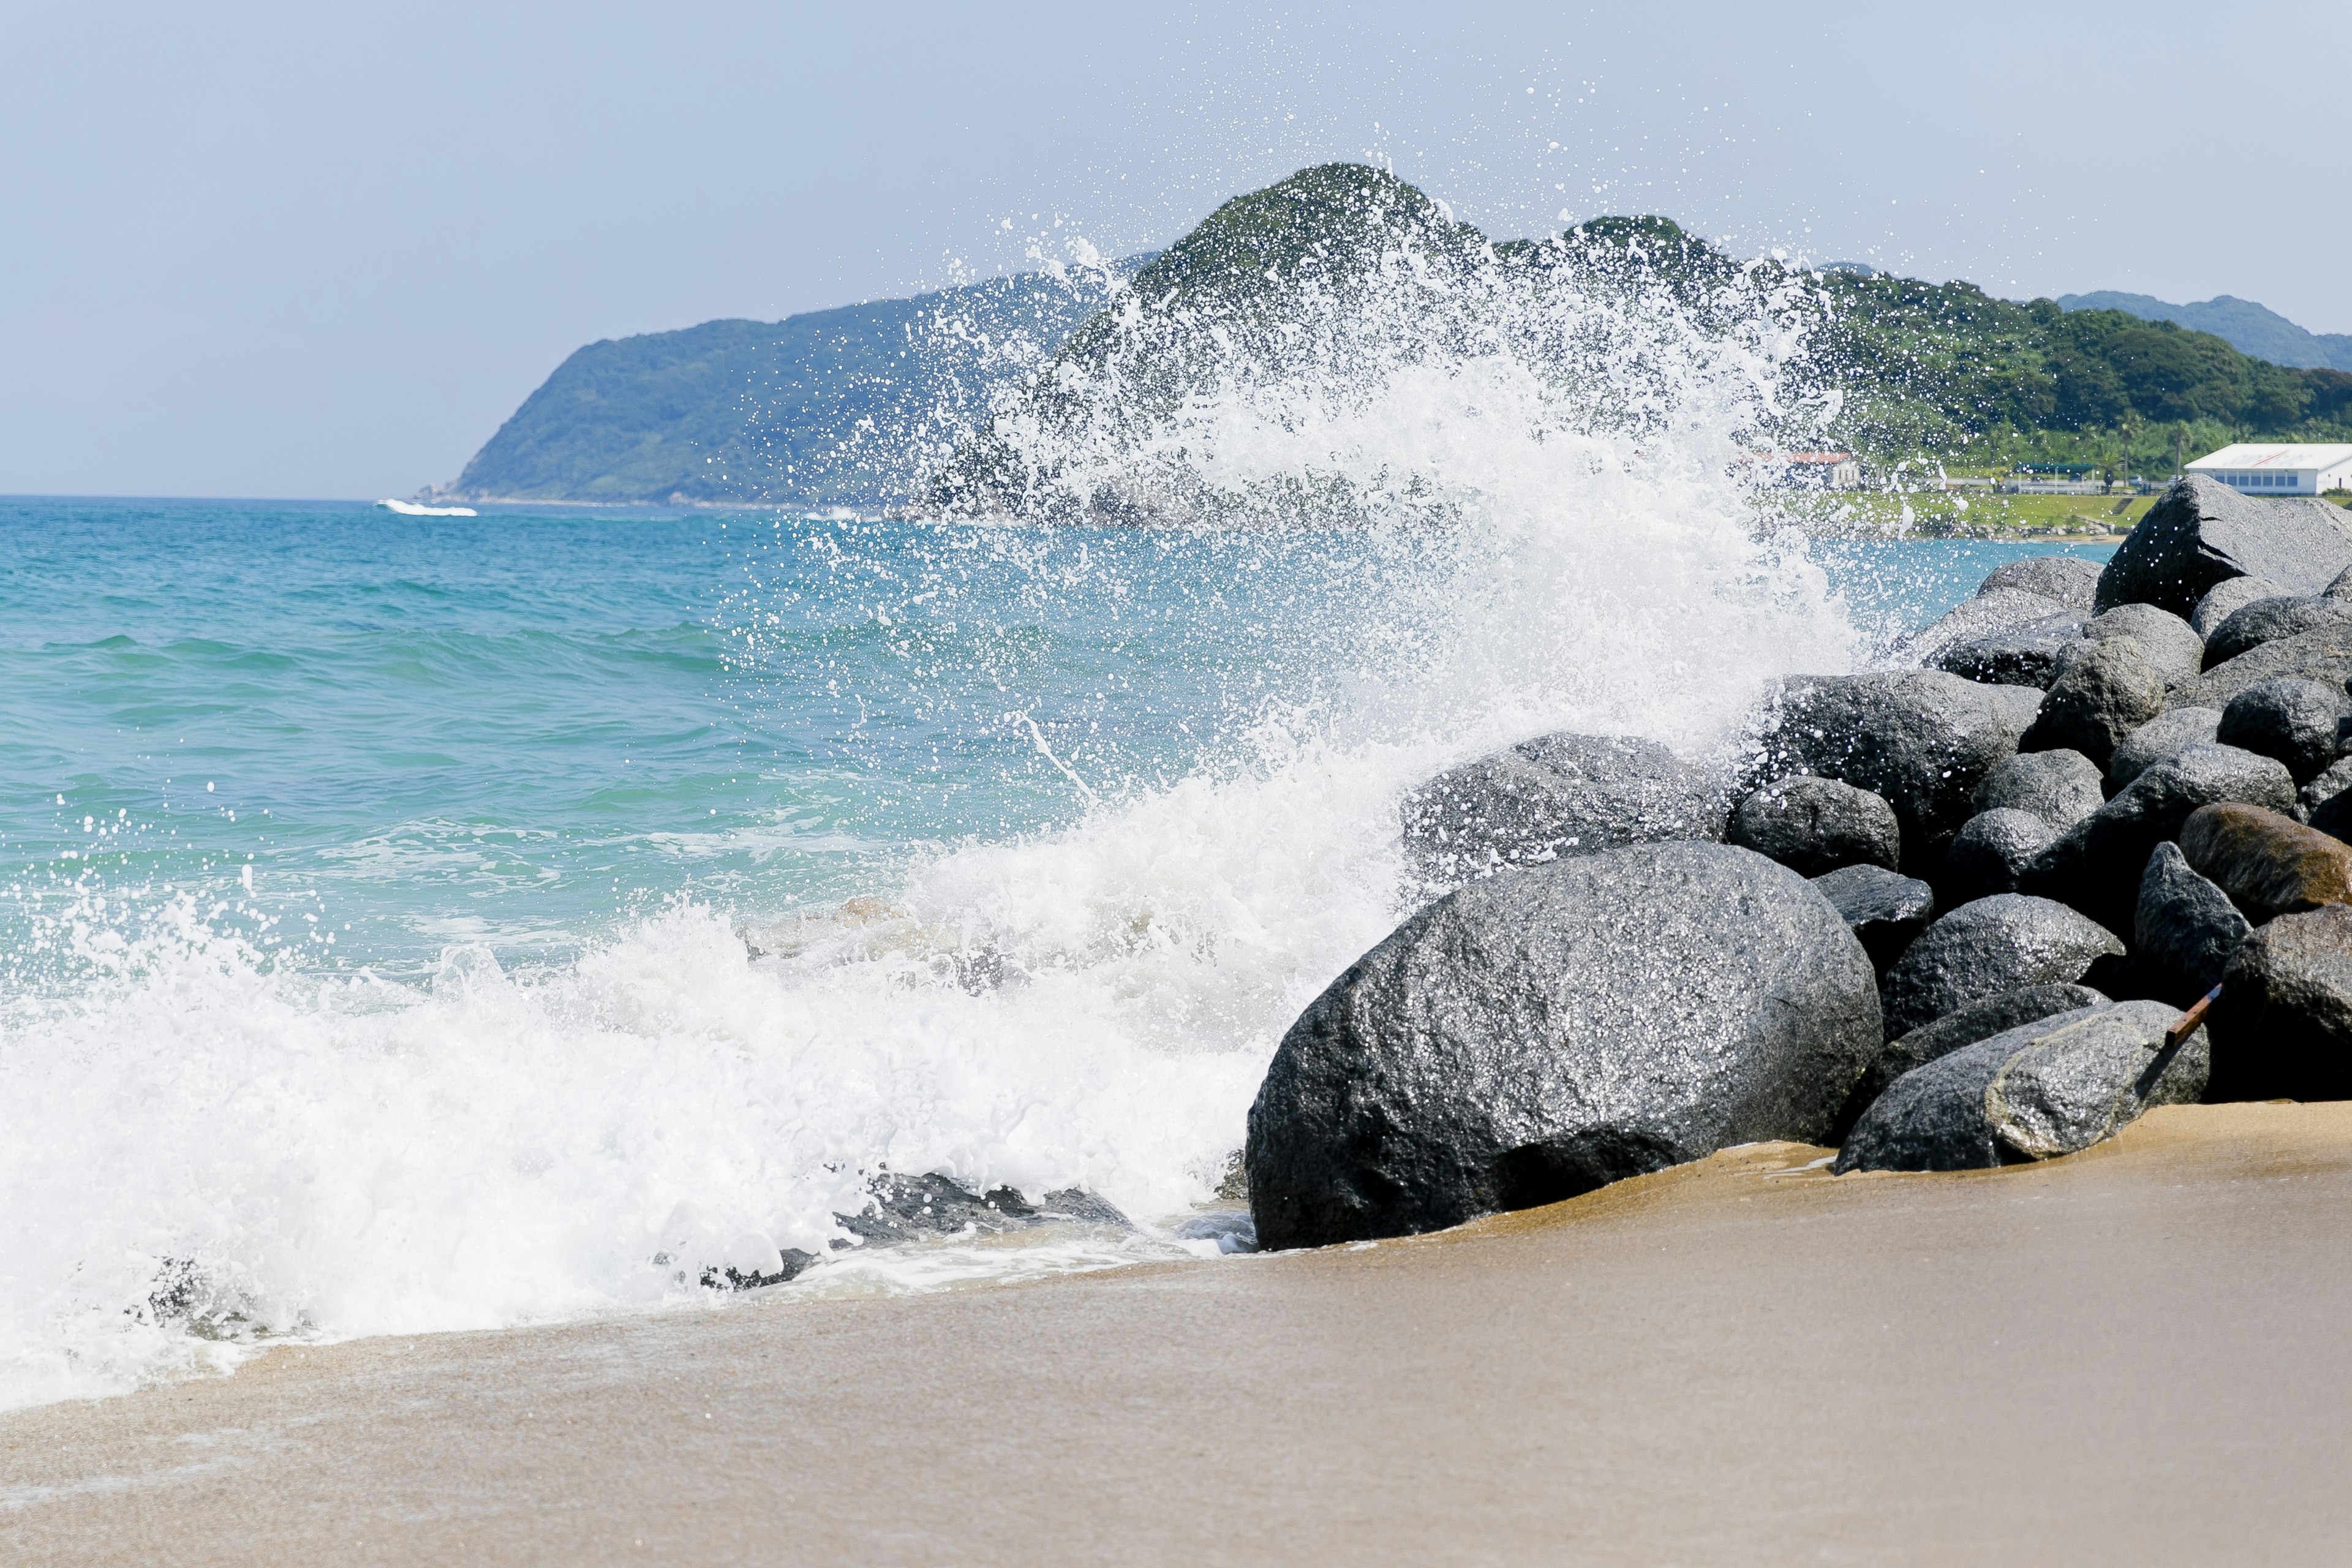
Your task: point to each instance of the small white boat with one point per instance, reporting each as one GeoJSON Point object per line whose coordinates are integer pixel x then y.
{"type": "Point", "coordinates": [410, 508]}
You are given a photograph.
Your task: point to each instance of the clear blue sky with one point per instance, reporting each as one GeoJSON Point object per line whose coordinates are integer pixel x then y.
{"type": "Point", "coordinates": [309, 250]}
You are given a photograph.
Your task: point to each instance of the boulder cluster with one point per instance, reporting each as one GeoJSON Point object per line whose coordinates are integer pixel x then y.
{"type": "Point", "coordinates": [1963, 912]}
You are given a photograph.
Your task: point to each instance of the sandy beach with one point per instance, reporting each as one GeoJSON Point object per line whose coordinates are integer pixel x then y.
{"type": "Point", "coordinates": [2135, 1354]}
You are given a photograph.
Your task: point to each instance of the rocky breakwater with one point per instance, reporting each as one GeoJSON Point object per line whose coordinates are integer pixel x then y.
{"type": "Point", "coordinates": [1971, 911]}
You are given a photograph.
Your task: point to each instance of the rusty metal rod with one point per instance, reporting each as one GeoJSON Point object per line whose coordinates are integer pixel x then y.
{"type": "Point", "coordinates": [2186, 1025]}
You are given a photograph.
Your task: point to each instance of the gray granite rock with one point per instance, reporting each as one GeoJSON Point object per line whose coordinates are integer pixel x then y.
{"type": "Point", "coordinates": [2023, 655]}
{"type": "Point", "coordinates": [1815, 826]}
{"type": "Point", "coordinates": [2184, 930]}
{"type": "Point", "coordinates": [2095, 865]}
{"type": "Point", "coordinates": [2072, 580]}
{"type": "Point", "coordinates": [1977, 1021]}
{"type": "Point", "coordinates": [2160, 739]}
{"type": "Point", "coordinates": [1552, 1029]}
{"type": "Point", "coordinates": [2292, 720]}
{"type": "Point", "coordinates": [1921, 740]}
{"type": "Point", "coordinates": [2166, 641]}
{"type": "Point", "coordinates": [1989, 851]}
{"type": "Point", "coordinates": [1984, 947]}
{"type": "Point", "coordinates": [2268, 620]}
{"type": "Point", "coordinates": [2341, 588]}
{"type": "Point", "coordinates": [901, 1209]}
{"type": "Point", "coordinates": [2332, 781]}
{"type": "Point", "coordinates": [2033, 1093]}
{"type": "Point", "coordinates": [1992, 610]}
{"type": "Point", "coordinates": [1886, 910]}
{"type": "Point", "coordinates": [2060, 787]}
{"type": "Point", "coordinates": [1558, 794]}
{"type": "Point", "coordinates": [2322, 654]}
{"type": "Point", "coordinates": [2104, 691]}
{"type": "Point", "coordinates": [2227, 598]}
{"type": "Point", "coordinates": [2200, 533]}
{"type": "Point", "coordinates": [2282, 1024]}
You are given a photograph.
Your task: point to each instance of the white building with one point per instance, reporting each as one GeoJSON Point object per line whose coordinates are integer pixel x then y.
{"type": "Point", "coordinates": [2267, 471]}
{"type": "Point", "coordinates": [1807, 470]}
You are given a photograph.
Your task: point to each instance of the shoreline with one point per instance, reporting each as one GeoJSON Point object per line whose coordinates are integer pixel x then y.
{"type": "Point", "coordinates": [2128, 1354]}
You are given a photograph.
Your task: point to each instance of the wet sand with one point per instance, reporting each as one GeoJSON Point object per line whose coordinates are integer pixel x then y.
{"type": "Point", "coordinates": [2139, 1354]}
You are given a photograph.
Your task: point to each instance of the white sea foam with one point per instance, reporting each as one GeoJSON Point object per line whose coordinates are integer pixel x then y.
{"type": "Point", "coordinates": [201, 1145]}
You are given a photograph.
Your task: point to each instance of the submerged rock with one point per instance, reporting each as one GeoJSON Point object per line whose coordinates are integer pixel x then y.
{"type": "Point", "coordinates": [2282, 1024]}
{"type": "Point", "coordinates": [1558, 794]}
{"type": "Point", "coordinates": [2294, 720]}
{"type": "Point", "coordinates": [1887, 911]}
{"type": "Point", "coordinates": [918, 1208]}
{"type": "Point", "coordinates": [2227, 598]}
{"type": "Point", "coordinates": [2268, 863]}
{"type": "Point", "coordinates": [1981, 949]}
{"type": "Point", "coordinates": [2030, 1093]}
{"type": "Point", "coordinates": [2072, 580]}
{"type": "Point", "coordinates": [1977, 1021]}
{"type": "Point", "coordinates": [2104, 690]}
{"type": "Point", "coordinates": [1990, 851]}
{"type": "Point", "coordinates": [2184, 930]}
{"type": "Point", "coordinates": [1815, 826]}
{"type": "Point", "coordinates": [2060, 788]}
{"type": "Point", "coordinates": [2095, 865]}
{"type": "Point", "coordinates": [1542, 1033]}
{"type": "Point", "coordinates": [1920, 738]}
{"type": "Point", "coordinates": [2201, 532]}
{"type": "Point", "coordinates": [2160, 739]}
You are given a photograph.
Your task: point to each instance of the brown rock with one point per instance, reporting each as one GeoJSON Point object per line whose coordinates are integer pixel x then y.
{"type": "Point", "coordinates": [2270, 865]}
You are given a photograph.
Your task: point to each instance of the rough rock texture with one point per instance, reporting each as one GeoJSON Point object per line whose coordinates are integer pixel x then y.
{"type": "Point", "coordinates": [1558, 794]}
{"type": "Point", "coordinates": [2166, 641]}
{"type": "Point", "coordinates": [2024, 654]}
{"type": "Point", "coordinates": [2341, 588]}
{"type": "Point", "coordinates": [2268, 863]}
{"type": "Point", "coordinates": [2030, 1093]}
{"type": "Point", "coordinates": [1815, 826]}
{"type": "Point", "coordinates": [2103, 692]}
{"type": "Point", "coordinates": [1549, 1030]}
{"type": "Point", "coordinates": [2267, 620]}
{"type": "Point", "coordinates": [1987, 947]}
{"type": "Point", "coordinates": [2332, 781]}
{"type": "Point", "coordinates": [2322, 654]}
{"type": "Point", "coordinates": [1977, 1021]}
{"type": "Point", "coordinates": [2184, 931]}
{"type": "Point", "coordinates": [2060, 787]}
{"type": "Point", "coordinates": [2160, 739]}
{"type": "Point", "coordinates": [2201, 532]}
{"type": "Point", "coordinates": [1920, 738]}
{"type": "Point", "coordinates": [2227, 598]}
{"type": "Point", "coordinates": [911, 1208]}
{"type": "Point", "coordinates": [2072, 580]}
{"type": "Point", "coordinates": [1885, 910]}
{"type": "Point", "coordinates": [1990, 850]}
{"type": "Point", "coordinates": [2095, 865]}
{"type": "Point", "coordinates": [2292, 720]}
{"type": "Point", "coordinates": [1992, 610]}
{"type": "Point", "coordinates": [2282, 1024]}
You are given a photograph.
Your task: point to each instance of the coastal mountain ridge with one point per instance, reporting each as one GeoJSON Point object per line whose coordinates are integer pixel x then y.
{"type": "Point", "coordinates": [2252, 330]}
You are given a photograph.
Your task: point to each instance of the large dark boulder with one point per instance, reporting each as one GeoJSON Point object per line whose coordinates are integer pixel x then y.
{"type": "Point", "coordinates": [1885, 910]}
{"type": "Point", "coordinates": [2268, 863]}
{"type": "Point", "coordinates": [1977, 1021]}
{"type": "Point", "coordinates": [2200, 533]}
{"type": "Point", "coordinates": [2325, 785]}
{"type": "Point", "coordinates": [2226, 599]}
{"type": "Point", "coordinates": [2160, 739]}
{"type": "Point", "coordinates": [2072, 580]}
{"type": "Point", "coordinates": [1984, 947]}
{"type": "Point", "coordinates": [2169, 643]}
{"type": "Point", "coordinates": [2268, 620]}
{"type": "Point", "coordinates": [2095, 865]}
{"type": "Point", "coordinates": [1992, 849]}
{"type": "Point", "coordinates": [1548, 1030]}
{"type": "Point", "coordinates": [2023, 655]}
{"type": "Point", "coordinates": [2184, 930]}
{"type": "Point", "coordinates": [1815, 826]}
{"type": "Point", "coordinates": [2104, 690]}
{"type": "Point", "coordinates": [2282, 1024]}
{"type": "Point", "coordinates": [2033, 1093]}
{"type": "Point", "coordinates": [1992, 611]}
{"type": "Point", "coordinates": [1919, 739]}
{"type": "Point", "coordinates": [2325, 654]}
{"type": "Point", "coordinates": [2292, 720]}
{"type": "Point", "coordinates": [1557, 794]}
{"type": "Point", "coordinates": [2060, 787]}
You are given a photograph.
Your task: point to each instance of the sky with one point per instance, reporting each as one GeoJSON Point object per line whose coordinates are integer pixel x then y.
{"type": "Point", "coordinates": [309, 250]}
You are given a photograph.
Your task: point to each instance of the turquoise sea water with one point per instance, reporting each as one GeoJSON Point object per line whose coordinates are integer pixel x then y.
{"type": "Point", "coordinates": [373, 890]}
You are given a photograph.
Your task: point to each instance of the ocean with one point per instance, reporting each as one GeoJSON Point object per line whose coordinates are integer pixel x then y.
{"type": "Point", "coordinates": [425, 923]}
